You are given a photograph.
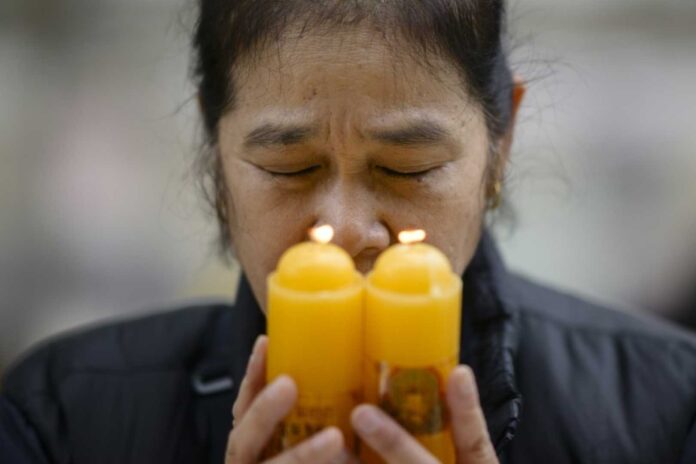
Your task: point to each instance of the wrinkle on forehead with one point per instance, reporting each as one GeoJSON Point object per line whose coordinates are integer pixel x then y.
{"type": "Point", "coordinates": [399, 65]}
{"type": "Point", "coordinates": [345, 84]}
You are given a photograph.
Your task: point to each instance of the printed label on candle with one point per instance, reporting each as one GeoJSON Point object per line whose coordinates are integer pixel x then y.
{"type": "Point", "coordinates": [312, 414]}
{"type": "Point", "coordinates": [415, 397]}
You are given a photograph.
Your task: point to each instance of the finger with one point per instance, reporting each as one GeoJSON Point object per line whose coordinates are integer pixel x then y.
{"type": "Point", "coordinates": [469, 430]}
{"type": "Point", "coordinates": [254, 378]}
{"type": "Point", "coordinates": [346, 457]}
{"type": "Point", "coordinates": [253, 432]}
{"type": "Point", "coordinates": [387, 438]}
{"type": "Point", "coordinates": [324, 447]}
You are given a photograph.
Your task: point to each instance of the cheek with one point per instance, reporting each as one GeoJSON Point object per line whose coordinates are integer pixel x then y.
{"type": "Point", "coordinates": [265, 219]}
{"type": "Point", "coordinates": [259, 206]}
{"type": "Point", "coordinates": [263, 222]}
{"type": "Point", "coordinates": [452, 211]}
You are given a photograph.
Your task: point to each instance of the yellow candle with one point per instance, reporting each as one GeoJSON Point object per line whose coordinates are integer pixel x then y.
{"type": "Point", "coordinates": [412, 329]}
{"type": "Point", "coordinates": [315, 305]}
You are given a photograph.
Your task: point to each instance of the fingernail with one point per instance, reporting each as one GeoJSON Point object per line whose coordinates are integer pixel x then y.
{"type": "Point", "coordinates": [277, 385]}
{"type": "Point", "coordinates": [465, 383]}
{"type": "Point", "coordinates": [366, 419]}
{"type": "Point", "coordinates": [323, 438]}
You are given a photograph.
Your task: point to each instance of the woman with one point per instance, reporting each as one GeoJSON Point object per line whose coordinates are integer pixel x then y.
{"type": "Point", "coordinates": [373, 117]}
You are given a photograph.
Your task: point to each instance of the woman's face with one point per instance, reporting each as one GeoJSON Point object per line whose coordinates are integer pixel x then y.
{"type": "Point", "coordinates": [339, 129]}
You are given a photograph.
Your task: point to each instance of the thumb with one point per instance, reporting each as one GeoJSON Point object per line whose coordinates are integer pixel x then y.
{"type": "Point", "coordinates": [469, 429]}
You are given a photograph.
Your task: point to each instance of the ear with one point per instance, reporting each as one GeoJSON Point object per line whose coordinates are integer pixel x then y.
{"type": "Point", "coordinates": [505, 144]}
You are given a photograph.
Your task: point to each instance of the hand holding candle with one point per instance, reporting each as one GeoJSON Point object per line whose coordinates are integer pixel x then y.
{"type": "Point", "coordinates": [410, 324]}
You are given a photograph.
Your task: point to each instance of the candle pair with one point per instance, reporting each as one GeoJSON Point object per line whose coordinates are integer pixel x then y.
{"type": "Point", "coordinates": [390, 339]}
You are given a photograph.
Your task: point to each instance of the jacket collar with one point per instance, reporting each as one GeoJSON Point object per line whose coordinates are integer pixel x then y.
{"type": "Point", "coordinates": [489, 339]}
{"type": "Point", "coordinates": [488, 342]}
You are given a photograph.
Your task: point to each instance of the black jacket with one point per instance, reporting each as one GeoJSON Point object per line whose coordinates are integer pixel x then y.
{"type": "Point", "coordinates": [561, 381]}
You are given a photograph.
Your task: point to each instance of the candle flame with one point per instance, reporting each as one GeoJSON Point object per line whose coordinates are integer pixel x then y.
{"type": "Point", "coordinates": [408, 237]}
{"type": "Point", "coordinates": [322, 234]}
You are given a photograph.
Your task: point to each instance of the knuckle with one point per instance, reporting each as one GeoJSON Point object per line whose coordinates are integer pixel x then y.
{"type": "Point", "coordinates": [234, 442]}
{"type": "Point", "coordinates": [467, 415]}
{"type": "Point", "coordinates": [238, 450]}
{"type": "Point", "coordinates": [235, 410]}
{"type": "Point", "coordinates": [482, 450]}
{"type": "Point", "coordinates": [232, 452]}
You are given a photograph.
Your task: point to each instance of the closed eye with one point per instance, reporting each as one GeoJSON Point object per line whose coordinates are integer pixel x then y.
{"type": "Point", "coordinates": [298, 173]}
{"type": "Point", "coordinates": [405, 174]}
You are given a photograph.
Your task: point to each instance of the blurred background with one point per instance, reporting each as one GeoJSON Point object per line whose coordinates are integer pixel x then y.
{"type": "Point", "coordinates": [99, 213]}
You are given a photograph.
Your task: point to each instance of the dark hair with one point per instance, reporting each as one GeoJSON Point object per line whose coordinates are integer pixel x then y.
{"type": "Point", "coordinates": [468, 32]}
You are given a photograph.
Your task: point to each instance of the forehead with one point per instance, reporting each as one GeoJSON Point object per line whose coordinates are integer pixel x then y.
{"type": "Point", "coordinates": [347, 66]}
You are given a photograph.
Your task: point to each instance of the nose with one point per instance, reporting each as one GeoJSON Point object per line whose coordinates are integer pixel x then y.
{"type": "Point", "coordinates": [352, 211]}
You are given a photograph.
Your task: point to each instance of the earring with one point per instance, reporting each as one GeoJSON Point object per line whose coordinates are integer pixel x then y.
{"type": "Point", "coordinates": [495, 195]}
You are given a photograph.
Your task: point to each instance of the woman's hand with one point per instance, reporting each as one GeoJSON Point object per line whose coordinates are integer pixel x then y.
{"type": "Point", "coordinates": [469, 430]}
{"type": "Point", "coordinates": [260, 408]}
{"type": "Point", "coordinates": [258, 411]}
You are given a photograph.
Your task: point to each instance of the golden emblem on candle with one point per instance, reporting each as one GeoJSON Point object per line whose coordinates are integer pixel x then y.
{"type": "Point", "coordinates": [415, 398]}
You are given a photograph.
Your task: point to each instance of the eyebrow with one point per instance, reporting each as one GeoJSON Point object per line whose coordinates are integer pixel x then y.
{"type": "Point", "coordinates": [416, 133]}
{"type": "Point", "coordinates": [270, 134]}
